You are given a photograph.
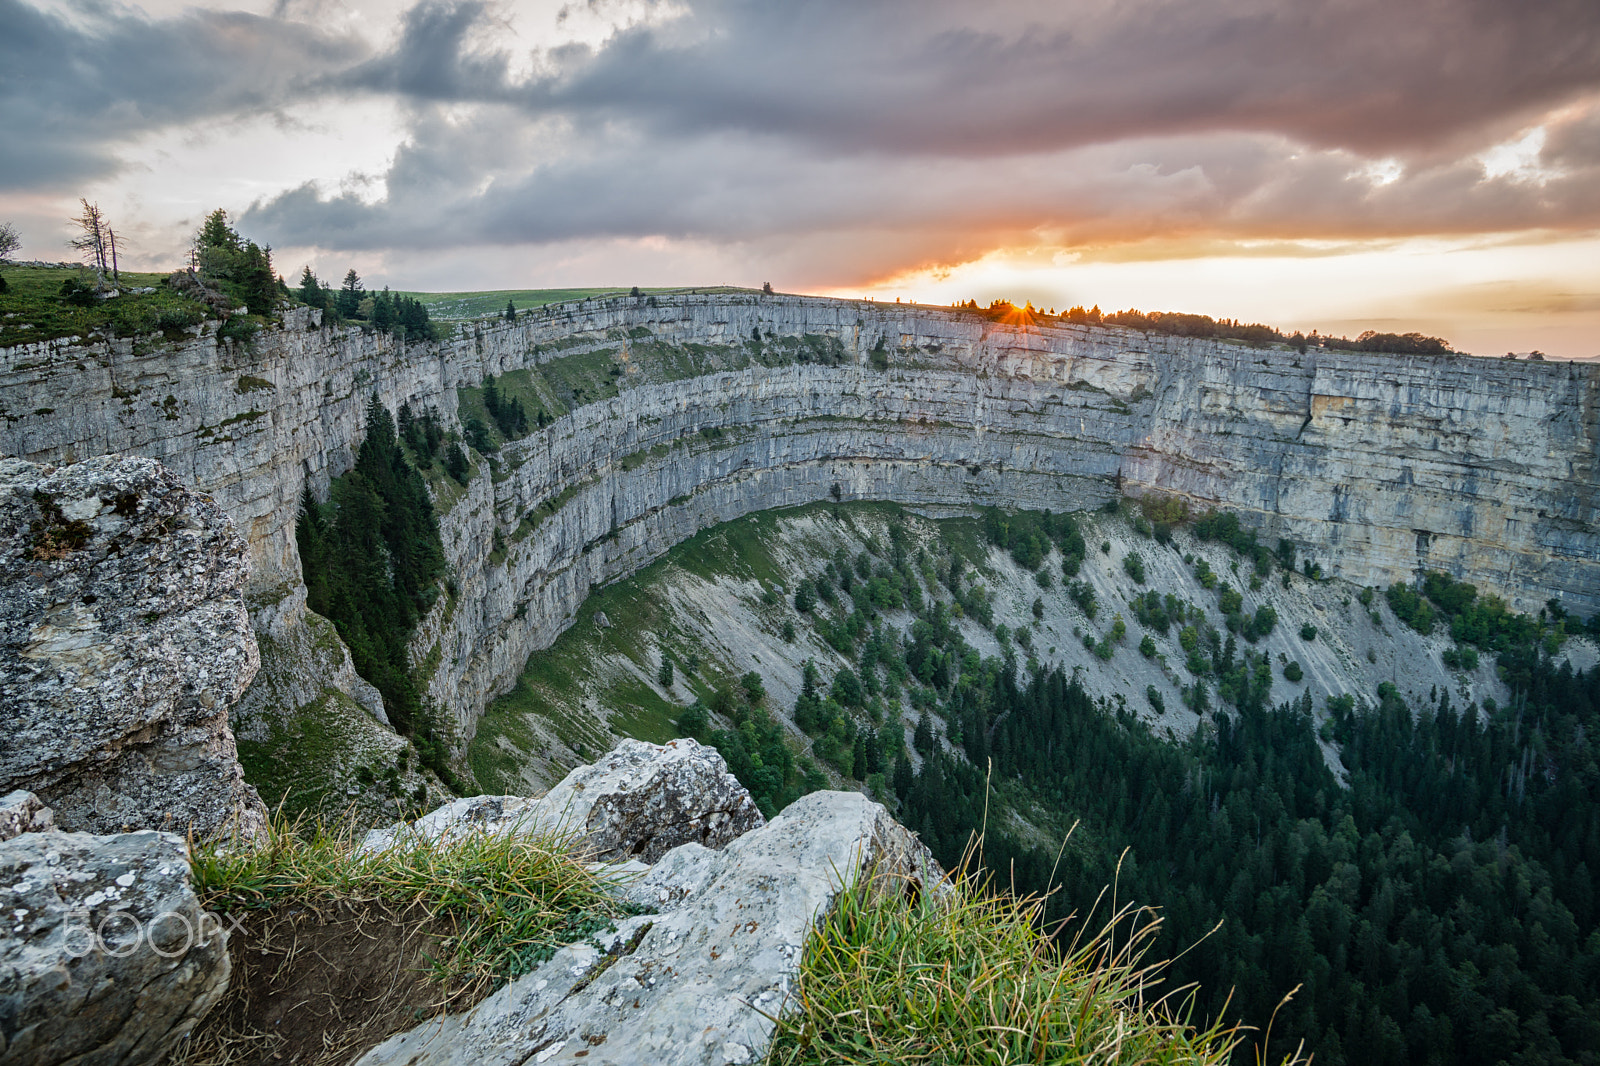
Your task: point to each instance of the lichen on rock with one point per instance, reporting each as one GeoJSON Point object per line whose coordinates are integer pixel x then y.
{"type": "Point", "coordinates": [123, 643]}
{"type": "Point", "coordinates": [639, 801]}
{"type": "Point", "coordinates": [106, 956]}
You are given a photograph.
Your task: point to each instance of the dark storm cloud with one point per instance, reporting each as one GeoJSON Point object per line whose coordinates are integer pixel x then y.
{"type": "Point", "coordinates": [1374, 76]}
{"type": "Point", "coordinates": [930, 127]}
{"type": "Point", "coordinates": [73, 88]}
{"type": "Point", "coordinates": [563, 185]}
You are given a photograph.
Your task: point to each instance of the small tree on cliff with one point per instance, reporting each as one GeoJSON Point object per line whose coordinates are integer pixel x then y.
{"type": "Point", "coordinates": [350, 294]}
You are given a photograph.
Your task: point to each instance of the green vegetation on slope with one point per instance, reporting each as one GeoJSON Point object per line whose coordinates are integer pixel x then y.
{"type": "Point", "coordinates": [1440, 908]}
{"type": "Point", "coordinates": [33, 307]}
{"type": "Point", "coordinates": [371, 559]}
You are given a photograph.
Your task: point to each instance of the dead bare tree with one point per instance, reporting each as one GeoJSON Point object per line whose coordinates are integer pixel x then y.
{"type": "Point", "coordinates": [93, 242]}
{"type": "Point", "coordinates": [10, 240]}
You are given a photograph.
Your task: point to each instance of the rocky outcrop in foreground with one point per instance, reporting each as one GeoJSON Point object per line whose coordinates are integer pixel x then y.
{"type": "Point", "coordinates": [698, 981]}
{"type": "Point", "coordinates": [123, 643]}
{"type": "Point", "coordinates": [106, 958]}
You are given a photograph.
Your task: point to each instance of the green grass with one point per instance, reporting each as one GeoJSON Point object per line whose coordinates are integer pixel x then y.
{"type": "Point", "coordinates": [32, 309]}
{"type": "Point", "coordinates": [585, 378]}
{"type": "Point", "coordinates": [454, 306]}
{"type": "Point", "coordinates": [970, 977]}
{"type": "Point", "coordinates": [516, 898]}
{"type": "Point", "coordinates": [525, 385]}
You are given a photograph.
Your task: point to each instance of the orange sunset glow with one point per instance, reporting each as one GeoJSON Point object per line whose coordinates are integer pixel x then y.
{"type": "Point", "coordinates": [1368, 165]}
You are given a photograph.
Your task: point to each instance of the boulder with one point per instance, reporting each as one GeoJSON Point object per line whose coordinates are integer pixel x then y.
{"type": "Point", "coordinates": [697, 982]}
{"type": "Point", "coordinates": [638, 801]}
{"type": "Point", "coordinates": [106, 956]}
{"type": "Point", "coordinates": [123, 643]}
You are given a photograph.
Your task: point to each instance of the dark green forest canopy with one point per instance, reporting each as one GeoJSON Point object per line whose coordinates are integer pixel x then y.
{"type": "Point", "coordinates": [372, 558]}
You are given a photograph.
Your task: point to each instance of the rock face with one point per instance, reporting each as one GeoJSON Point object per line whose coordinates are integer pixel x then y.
{"type": "Point", "coordinates": [106, 958]}
{"type": "Point", "coordinates": [123, 642]}
{"type": "Point", "coordinates": [1377, 466]}
{"type": "Point", "coordinates": [637, 802]}
{"type": "Point", "coordinates": [695, 982]}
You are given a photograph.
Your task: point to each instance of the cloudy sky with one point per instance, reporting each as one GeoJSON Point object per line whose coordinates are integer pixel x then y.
{"type": "Point", "coordinates": [1403, 164]}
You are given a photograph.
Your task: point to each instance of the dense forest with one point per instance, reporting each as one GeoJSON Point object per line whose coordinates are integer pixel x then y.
{"type": "Point", "coordinates": [372, 558]}
{"type": "Point", "coordinates": [1181, 324]}
{"type": "Point", "coordinates": [1431, 898]}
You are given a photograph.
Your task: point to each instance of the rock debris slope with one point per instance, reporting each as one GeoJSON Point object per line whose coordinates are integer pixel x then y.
{"type": "Point", "coordinates": [123, 643]}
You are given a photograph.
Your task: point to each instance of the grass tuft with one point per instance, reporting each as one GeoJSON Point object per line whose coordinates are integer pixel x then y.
{"type": "Point", "coordinates": [971, 977]}
{"type": "Point", "coordinates": [512, 901]}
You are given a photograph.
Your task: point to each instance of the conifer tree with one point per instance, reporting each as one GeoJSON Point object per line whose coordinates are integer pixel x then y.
{"type": "Point", "coordinates": [350, 294]}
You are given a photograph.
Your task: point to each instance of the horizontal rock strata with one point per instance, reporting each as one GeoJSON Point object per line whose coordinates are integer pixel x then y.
{"type": "Point", "coordinates": [1378, 466]}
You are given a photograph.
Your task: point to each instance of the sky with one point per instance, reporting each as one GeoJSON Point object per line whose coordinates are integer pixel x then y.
{"type": "Point", "coordinates": [1401, 165]}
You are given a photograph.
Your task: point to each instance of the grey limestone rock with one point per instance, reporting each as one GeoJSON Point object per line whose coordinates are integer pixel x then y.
{"type": "Point", "coordinates": [123, 642]}
{"type": "Point", "coordinates": [23, 812]}
{"type": "Point", "coordinates": [638, 801]}
{"type": "Point", "coordinates": [696, 982]}
{"type": "Point", "coordinates": [106, 958]}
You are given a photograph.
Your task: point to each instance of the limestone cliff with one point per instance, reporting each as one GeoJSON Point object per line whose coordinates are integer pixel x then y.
{"type": "Point", "coordinates": [1378, 466]}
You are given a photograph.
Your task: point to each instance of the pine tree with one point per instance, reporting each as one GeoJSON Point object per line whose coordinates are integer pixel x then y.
{"type": "Point", "coordinates": [383, 311]}
{"type": "Point", "coordinates": [455, 463]}
{"type": "Point", "coordinates": [312, 294]}
{"type": "Point", "coordinates": [254, 274]}
{"type": "Point", "coordinates": [350, 294]}
{"type": "Point", "coordinates": [511, 312]}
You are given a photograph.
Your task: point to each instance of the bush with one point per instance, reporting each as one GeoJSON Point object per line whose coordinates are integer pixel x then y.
{"type": "Point", "coordinates": [1154, 696]}
{"type": "Point", "coordinates": [1410, 608]}
{"type": "Point", "coordinates": [1147, 646]}
{"type": "Point", "coordinates": [664, 674]}
{"type": "Point", "coordinates": [695, 721]}
{"type": "Point", "coordinates": [1082, 594]}
{"type": "Point", "coordinates": [1292, 672]}
{"type": "Point", "coordinates": [79, 293]}
{"type": "Point", "coordinates": [1308, 632]}
{"type": "Point", "coordinates": [1134, 567]}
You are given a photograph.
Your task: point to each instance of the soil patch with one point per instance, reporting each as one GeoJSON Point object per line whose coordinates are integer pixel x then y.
{"type": "Point", "coordinates": [318, 986]}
